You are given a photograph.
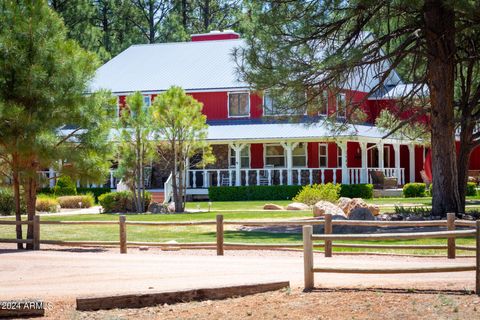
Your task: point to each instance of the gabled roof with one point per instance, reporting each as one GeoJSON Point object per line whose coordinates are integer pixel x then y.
{"type": "Point", "coordinates": [192, 65]}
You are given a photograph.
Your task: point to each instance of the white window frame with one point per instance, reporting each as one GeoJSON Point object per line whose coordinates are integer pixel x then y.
{"type": "Point", "coordinates": [248, 100]}
{"type": "Point", "coordinates": [341, 96]}
{"type": "Point", "coordinates": [230, 149]}
{"type": "Point", "coordinates": [265, 154]}
{"type": "Point", "coordinates": [339, 157]}
{"type": "Point", "coordinates": [320, 156]}
{"type": "Point", "coordinates": [306, 156]}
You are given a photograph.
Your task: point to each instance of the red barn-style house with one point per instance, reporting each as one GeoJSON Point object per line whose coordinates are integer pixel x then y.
{"type": "Point", "coordinates": [250, 146]}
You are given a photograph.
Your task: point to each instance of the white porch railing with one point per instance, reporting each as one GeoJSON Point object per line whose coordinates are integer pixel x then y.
{"type": "Point", "coordinates": [204, 178]}
{"type": "Point", "coordinates": [48, 179]}
{"type": "Point", "coordinates": [168, 189]}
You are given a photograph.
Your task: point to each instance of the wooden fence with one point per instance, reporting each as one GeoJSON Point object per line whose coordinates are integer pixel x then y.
{"type": "Point", "coordinates": [220, 245]}
{"type": "Point", "coordinates": [450, 235]}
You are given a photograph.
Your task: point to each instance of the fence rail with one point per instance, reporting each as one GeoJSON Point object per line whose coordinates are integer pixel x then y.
{"type": "Point", "coordinates": [310, 270]}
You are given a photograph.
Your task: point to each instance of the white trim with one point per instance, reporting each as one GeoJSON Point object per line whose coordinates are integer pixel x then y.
{"type": "Point", "coordinates": [326, 155]}
{"type": "Point", "coordinates": [157, 92]}
{"type": "Point", "coordinates": [339, 156]}
{"type": "Point", "coordinates": [265, 145]}
{"type": "Point", "coordinates": [248, 101]}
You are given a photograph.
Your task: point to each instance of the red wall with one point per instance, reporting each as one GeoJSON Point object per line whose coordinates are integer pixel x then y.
{"type": "Point", "coordinates": [256, 155]}
{"type": "Point", "coordinates": [218, 36]}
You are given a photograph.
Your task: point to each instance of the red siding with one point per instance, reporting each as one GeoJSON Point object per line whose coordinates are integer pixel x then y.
{"type": "Point", "coordinates": [312, 151]}
{"type": "Point", "coordinates": [354, 155]}
{"type": "Point", "coordinates": [475, 159]}
{"type": "Point", "coordinates": [121, 104]}
{"type": "Point", "coordinates": [256, 102]}
{"type": "Point", "coordinates": [405, 161]}
{"type": "Point", "coordinates": [256, 155]}
{"type": "Point", "coordinates": [214, 104]}
{"type": "Point", "coordinates": [419, 165]}
{"type": "Point", "coordinates": [217, 36]}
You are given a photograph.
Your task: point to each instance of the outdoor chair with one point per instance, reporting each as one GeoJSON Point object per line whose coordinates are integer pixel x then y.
{"type": "Point", "coordinates": [379, 180]}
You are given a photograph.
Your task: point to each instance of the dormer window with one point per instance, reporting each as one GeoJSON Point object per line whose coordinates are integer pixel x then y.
{"type": "Point", "coordinates": [238, 104]}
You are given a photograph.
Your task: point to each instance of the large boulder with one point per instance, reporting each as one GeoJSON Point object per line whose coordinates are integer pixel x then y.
{"type": "Point", "coordinates": [297, 206]}
{"type": "Point", "coordinates": [323, 207]}
{"type": "Point", "coordinates": [272, 206]}
{"type": "Point", "coordinates": [157, 207]}
{"type": "Point", "coordinates": [348, 205]}
{"type": "Point", "coordinates": [361, 214]}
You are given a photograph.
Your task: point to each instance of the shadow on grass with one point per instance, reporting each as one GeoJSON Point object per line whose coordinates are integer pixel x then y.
{"type": "Point", "coordinates": [252, 236]}
{"type": "Point", "coordinates": [459, 292]}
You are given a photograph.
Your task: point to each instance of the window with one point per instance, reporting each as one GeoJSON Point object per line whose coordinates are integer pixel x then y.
{"type": "Point", "coordinates": [275, 155]}
{"type": "Point", "coordinates": [339, 157]}
{"type": "Point", "coordinates": [147, 101]}
{"type": "Point", "coordinates": [299, 155]}
{"type": "Point", "coordinates": [323, 155]}
{"type": "Point", "coordinates": [341, 105]}
{"type": "Point", "coordinates": [272, 107]}
{"type": "Point", "coordinates": [244, 157]}
{"type": "Point", "coordinates": [239, 104]}
{"type": "Point", "coordinates": [323, 103]}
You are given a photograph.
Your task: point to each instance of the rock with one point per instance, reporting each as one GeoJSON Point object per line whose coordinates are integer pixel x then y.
{"type": "Point", "coordinates": [157, 207]}
{"type": "Point", "coordinates": [271, 206]}
{"type": "Point", "coordinates": [361, 214]}
{"type": "Point", "coordinates": [143, 248]}
{"type": "Point", "coordinates": [322, 207]}
{"type": "Point", "coordinates": [171, 207]}
{"type": "Point", "coordinates": [297, 206]}
{"type": "Point", "coordinates": [348, 205]}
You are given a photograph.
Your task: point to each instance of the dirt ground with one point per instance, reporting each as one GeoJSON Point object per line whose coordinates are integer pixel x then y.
{"type": "Point", "coordinates": [58, 275]}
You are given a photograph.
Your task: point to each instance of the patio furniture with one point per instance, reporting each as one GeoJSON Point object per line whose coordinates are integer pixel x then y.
{"type": "Point", "coordinates": [379, 180]}
{"type": "Point", "coordinates": [474, 176]}
{"type": "Point", "coordinates": [425, 178]}
{"type": "Point", "coordinates": [264, 180]}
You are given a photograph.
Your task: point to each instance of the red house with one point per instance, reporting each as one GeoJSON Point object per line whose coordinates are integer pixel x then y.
{"type": "Point", "coordinates": [250, 147]}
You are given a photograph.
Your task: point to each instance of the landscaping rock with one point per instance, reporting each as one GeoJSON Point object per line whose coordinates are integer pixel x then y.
{"type": "Point", "coordinates": [157, 207]}
{"type": "Point", "coordinates": [171, 207]}
{"type": "Point", "coordinates": [348, 205]}
{"type": "Point", "coordinates": [297, 206]}
{"type": "Point", "coordinates": [322, 207]}
{"type": "Point", "coordinates": [271, 206]}
{"type": "Point", "coordinates": [361, 214]}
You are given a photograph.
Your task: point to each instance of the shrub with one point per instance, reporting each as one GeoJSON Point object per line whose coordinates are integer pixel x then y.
{"type": "Point", "coordinates": [80, 201]}
{"type": "Point", "coordinates": [7, 202]}
{"type": "Point", "coordinates": [65, 187]}
{"type": "Point", "coordinates": [244, 193]}
{"type": "Point", "coordinates": [46, 204]}
{"type": "Point", "coordinates": [364, 191]}
{"type": "Point", "coordinates": [311, 194]}
{"type": "Point", "coordinates": [471, 189]}
{"type": "Point", "coordinates": [122, 201]}
{"type": "Point", "coordinates": [413, 190]}
{"type": "Point", "coordinates": [96, 192]}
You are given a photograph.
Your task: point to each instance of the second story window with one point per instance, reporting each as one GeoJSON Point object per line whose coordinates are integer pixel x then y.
{"type": "Point", "coordinates": [291, 103]}
{"type": "Point", "coordinates": [323, 107]}
{"type": "Point", "coordinates": [341, 105]}
{"type": "Point", "coordinates": [238, 104]}
{"type": "Point", "coordinates": [147, 101]}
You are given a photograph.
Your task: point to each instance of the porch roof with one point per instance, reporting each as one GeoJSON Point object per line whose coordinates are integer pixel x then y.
{"type": "Point", "coordinates": [275, 132]}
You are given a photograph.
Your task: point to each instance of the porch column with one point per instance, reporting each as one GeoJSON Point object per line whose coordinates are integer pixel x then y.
{"type": "Point", "coordinates": [289, 146]}
{"type": "Point", "coordinates": [238, 149]}
{"type": "Point", "coordinates": [381, 164]}
{"type": "Point", "coordinates": [51, 174]}
{"type": "Point", "coordinates": [345, 176]}
{"type": "Point", "coordinates": [411, 161]}
{"type": "Point", "coordinates": [396, 149]}
{"type": "Point", "coordinates": [363, 150]}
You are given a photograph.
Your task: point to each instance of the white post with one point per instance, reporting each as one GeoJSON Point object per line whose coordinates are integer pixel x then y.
{"type": "Point", "coordinates": [411, 161]}
{"type": "Point", "coordinates": [363, 150]}
{"type": "Point", "coordinates": [381, 164]}
{"type": "Point", "coordinates": [396, 149]}
{"type": "Point", "coordinates": [111, 180]}
{"type": "Point", "coordinates": [51, 174]}
{"type": "Point", "coordinates": [238, 150]}
{"type": "Point", "coordinates": [289, 146]}
{"type": "Point", "coordinates": [343, 147]}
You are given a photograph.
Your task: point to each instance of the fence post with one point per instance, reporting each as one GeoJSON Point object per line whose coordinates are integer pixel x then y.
{"type": "Point", "coordinates": [328, 230]}
{"type": "Point", "coordinates": [219, 235]}
{"type": "Point", "coordinates": [451, 241]}
{"type": "Point", "coordinates": [123, 234]}
{"type": "Point", "coordinates": [477, 271]}
{"type": "Point", "coordinates": [308, 257]}
{"type": "Point", "coordinates": [36, 232]}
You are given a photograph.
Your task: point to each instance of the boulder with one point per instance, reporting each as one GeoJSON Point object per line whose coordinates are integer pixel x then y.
{"type": "Point", "coordinates": [374, 209]}
{"type": "Point", "coordinates": [348, 205]}
{"type": "Point", "coordinates": [297, 206]}
{"type": "Point", "coordinates": [272, 206]}
{"type": "Point", "coordinates": [322, 207]}
{"type": "Point", "coordinates": [171, 207]}
{"type": "Point", "coordinates": [157, 207]}
{"type": "Point", "coordinates": [343, 203]}
{"type": "Point", "coordinates": [361, 214]}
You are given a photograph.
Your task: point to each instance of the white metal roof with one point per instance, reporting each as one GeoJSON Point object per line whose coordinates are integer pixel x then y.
{"type": "Point", "coordinates": [197, 65]}
{"type": "Point", "coordinates": [292, 131]}
{"type": "Point", "coordinates": [404, 90]}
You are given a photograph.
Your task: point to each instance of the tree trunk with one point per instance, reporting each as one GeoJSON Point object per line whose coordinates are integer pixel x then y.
{"type": "Point", "coordinates": [440, 42]}
{"type": "Point", "coordinates": [16, 196]}
{"type": "Point", "coordinates": [30, 199]}
{"type": "Point", "coordinates": [206, 15]}
{"type": "Point", "coordinates": [184, 14]}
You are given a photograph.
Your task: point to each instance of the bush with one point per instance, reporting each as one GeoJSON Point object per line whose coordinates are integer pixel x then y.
{"type": "Point", "coordinates": [122, 201]}
{"type": "Point", "coordinates": [7, 202]}
{"type": "Point", "coordinates": [65, 187]}
{"type": "Point", "coordinates": [471, 189]}
{"type": "Point", "coordinates": [244, 193]}
{"type": "Point", "coordinates": [364, 191]}
{"type": "Point", "coordinates": [81, 201]}
{"type": "Point", "coordinates": [46, 204]}
{"type": "Point", "coordinates": [311, 194]}
{"type": "Point", "coordinates": [414, 190]}
{"type": "Point", "coordinates": [96, 192]}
